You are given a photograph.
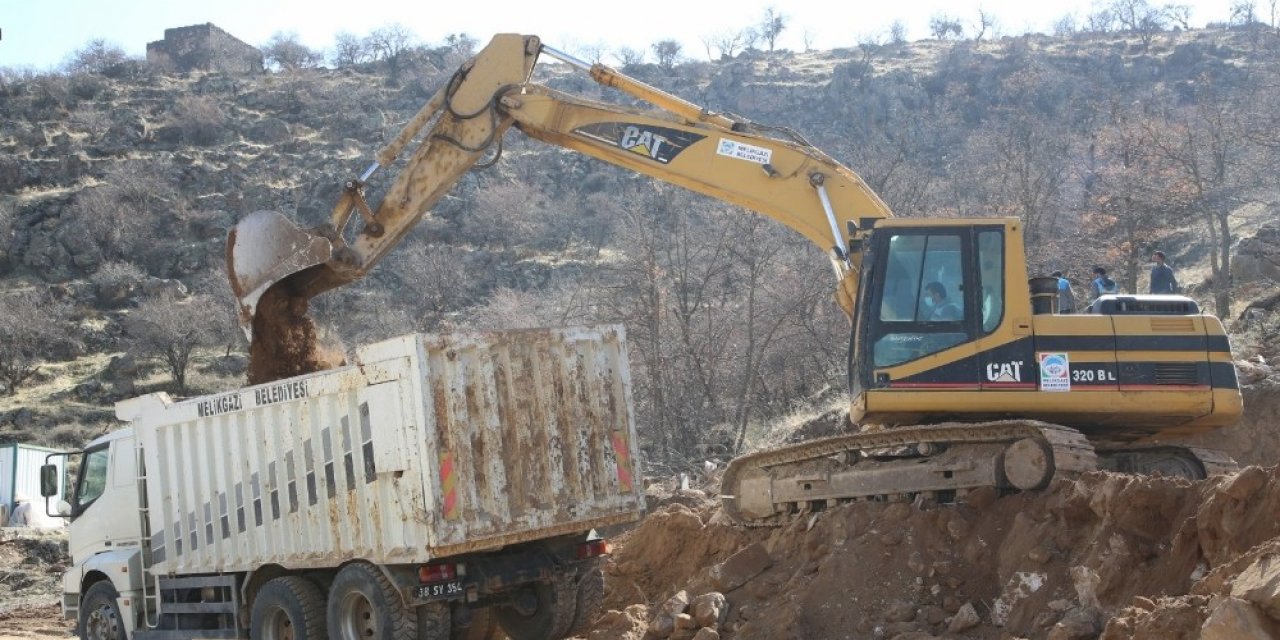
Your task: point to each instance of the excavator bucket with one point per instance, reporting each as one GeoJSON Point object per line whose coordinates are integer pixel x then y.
{"type": "Point", "coordinates": [264, 248]}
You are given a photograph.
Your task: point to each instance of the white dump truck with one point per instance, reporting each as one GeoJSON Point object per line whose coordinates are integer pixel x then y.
{"type": "Point", "coordinates": [440, 486]}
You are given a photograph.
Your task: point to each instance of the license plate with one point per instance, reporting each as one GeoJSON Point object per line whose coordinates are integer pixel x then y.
{"type": "Point", "coordinates": [440, 590]}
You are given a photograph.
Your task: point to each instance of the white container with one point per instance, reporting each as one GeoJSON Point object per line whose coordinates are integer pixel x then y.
{"type": "Point", "coordinates": [20, 475]}
{"type": "Point", "coordinates": [427, 446]}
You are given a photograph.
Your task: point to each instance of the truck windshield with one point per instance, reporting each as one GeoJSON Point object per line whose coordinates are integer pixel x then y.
{"type": "Point", "coordinates": [93, 477]}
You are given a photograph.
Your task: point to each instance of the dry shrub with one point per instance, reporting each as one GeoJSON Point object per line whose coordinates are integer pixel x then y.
{"type": "Point", "coordinates": [200, 120]}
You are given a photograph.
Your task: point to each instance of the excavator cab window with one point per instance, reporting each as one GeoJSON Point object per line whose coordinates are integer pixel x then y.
{"type": "Point", "coordinates": [923, 299]}
{"type": "Point", "coordinates": [991, 278]}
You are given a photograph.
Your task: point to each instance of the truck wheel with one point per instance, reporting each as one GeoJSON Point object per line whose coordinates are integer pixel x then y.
{"type": "Point", "coordinates": [434, 621]}
{"type": "Point", "coordinates": [544, 611]}
{"type": "Point", "coordinates": [100, 614]}
{"type": "Point", "coordinates": [590, 598]}
{"type": "Point", "coordinates": [482, 627]}
{"type": "Point", "coordinates": [288, 608]}
{"type": "Point", "coordinates": [363, 604]}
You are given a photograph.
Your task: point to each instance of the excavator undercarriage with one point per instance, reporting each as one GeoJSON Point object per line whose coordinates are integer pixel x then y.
{"type": "Point", "coordinates": [935, 463]}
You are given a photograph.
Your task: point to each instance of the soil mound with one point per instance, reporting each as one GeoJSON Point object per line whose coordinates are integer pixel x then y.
{"type": "Point", "coordinates": [1104, 554]}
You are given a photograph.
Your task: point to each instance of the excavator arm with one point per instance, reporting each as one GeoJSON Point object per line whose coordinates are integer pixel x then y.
{"type": "Point", "coordinates": [767, 170]}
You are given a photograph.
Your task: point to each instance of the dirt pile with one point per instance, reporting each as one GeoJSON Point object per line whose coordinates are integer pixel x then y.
{"type": "Point", "coordinates": [1102, 555]}
{"type": "Point", "coordinates": [31, 566]}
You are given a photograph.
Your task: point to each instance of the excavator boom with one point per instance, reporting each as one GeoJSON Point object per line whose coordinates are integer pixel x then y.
{"type": "Point", "coordinates": [679, 142]}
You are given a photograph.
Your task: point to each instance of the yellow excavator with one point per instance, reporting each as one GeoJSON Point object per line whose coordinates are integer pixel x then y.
{"type": "Point", "coordinates": [976, 379]}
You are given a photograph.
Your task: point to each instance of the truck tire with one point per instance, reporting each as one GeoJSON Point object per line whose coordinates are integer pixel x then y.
{"type": "Point", "coordinates": [364, 605]}
{"type": "Point", "coordinates": [483, 627]}
{"type": "Point", "coordinates": [546, 612]}
{"type": "Point", "coordinates": [590, 598]}
{"type": "Point", "coordinates": [434, 621]}
{"type": "Point", "coordinates": [288, 608]}
{"type": "Point", "coordinates": [100, 614]}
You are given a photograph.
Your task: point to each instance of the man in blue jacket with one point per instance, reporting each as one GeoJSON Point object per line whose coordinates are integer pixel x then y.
{"type": "Point", "coordinates": [1162, 280]}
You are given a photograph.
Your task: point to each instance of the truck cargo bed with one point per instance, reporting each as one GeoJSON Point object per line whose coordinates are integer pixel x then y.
{"type": "Point", "coordinates": [426, 446]}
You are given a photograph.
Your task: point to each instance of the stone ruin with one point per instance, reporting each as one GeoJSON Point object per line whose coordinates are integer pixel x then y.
{"type": "Point", "coordinates": [204, 47]}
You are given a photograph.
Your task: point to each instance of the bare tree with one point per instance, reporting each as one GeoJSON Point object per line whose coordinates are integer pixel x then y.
{"type": "Point", "coordinates": [1244, 12]}
{"type": "Point", "coordinates": [285, 51]}
{"type": "Point", "coordinates": [667, 53]}
{"type": "Point", "coordinates": [1179, 15]}
{"type": "Point", "coordinates": [97, 56]}
{"type": "Point", "coordinates": [1100, 21]}
{"type": "Point", "coordinates": [942, 27]}
{"type": "Point", "coordinates": [807, 38]}
{"type": "Point", "coordinates": [169, 329]}
{"type": "Point", "coordinates": [1027, 162]}
{"type": "Point", "coordinates": [438, 278]}
{"type": "Point", "coordinates": [1208, 145]}
{"type": "Point", "coordinates": [462, 45]}
{"type": "Point", "coordinates": [1134, 194]}
{"type": "Point", "coordinates": [628, 56]}
{"type": "Point", "coordinates": [898, 33]}
{"type": "Point", "coordinates": [593, 52]}
{"type": "Point", "coordinates": [349, 50]}
{"type": "Point", "coordinates": [1140, 18]}
{"type": "Point", "coordinates": [986, 22]}
{"type": "Point", "coordinates": [1065, 26]}
{"type": "Point", "coordinates": [391, 44]}
{"type": "Point", "coordinates": [31, 329]}
{"type": "Point", "coordinates": [772, 25]}
{"type": "Point", "coordinates": [726, 44]}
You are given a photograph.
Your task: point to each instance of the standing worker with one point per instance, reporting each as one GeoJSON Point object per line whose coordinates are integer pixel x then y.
{"type": "Point", "coordinates": [1162, 280]}
{"type": "Point", "coordinates": [1101, 285]}
{"type": "Point", "coordinates": [1066, 297]}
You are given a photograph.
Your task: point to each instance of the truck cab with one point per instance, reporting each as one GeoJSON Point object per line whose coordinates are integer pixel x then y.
{"type": "Point", "coordinates": [106, 527]}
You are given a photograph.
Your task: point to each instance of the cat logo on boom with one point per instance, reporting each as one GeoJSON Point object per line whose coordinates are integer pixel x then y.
{"type": "Point", "coordinates": [660, 144]}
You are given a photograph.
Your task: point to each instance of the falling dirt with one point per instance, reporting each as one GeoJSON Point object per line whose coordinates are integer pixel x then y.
{"type": "Point", "coordinates": [284, 339]}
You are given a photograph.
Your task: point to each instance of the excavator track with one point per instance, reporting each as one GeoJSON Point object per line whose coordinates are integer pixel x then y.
{"type": "Point", "coordinates": [762, 489]}
{"type": "Point", "coordinates": [1194, 463]}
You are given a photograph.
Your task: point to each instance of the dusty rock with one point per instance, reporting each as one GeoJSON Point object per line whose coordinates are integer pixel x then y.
{"type": "Point", "coordinates": [966, 618]}
{"type": "Point", "coordinates": [982, 497]}
{"type": "Point", "coordinates": [1260, 585]}
{"type": "Point", "coordinates": [1245, 483]}
{"type": "Point", "coordinates": [1077, 624]}
{"type": "Point", "coordinates": [932, 614]}
{"type": "Point", "coordinates": [709, 609]}
{"type": "Point", "coordinates": [1235, 619]}
{"type": "Point", "coordinates": [707, 633]}
{"type": "Point", "coordinates": [900, 611]}
{"type": "Point", "coordinates": [685, 621]}
{"type": "Point", "coordinates": [269, 131]}
{"type": "Point", "coordinates": [740, 567]}
{"type": "Point", "coordinates": [1145, 604]}
{"type": "Point", "coordinates": [666, 621]}
{"type": "Point", "coordinates": [628, 624]}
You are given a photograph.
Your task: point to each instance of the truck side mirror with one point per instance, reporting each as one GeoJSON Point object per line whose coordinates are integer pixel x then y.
{"type": "Point", "coordinates": [49, 480]}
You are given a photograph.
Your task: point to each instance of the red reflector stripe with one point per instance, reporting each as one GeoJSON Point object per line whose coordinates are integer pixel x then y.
{"type": "Point", "coordinates": [623, 454]}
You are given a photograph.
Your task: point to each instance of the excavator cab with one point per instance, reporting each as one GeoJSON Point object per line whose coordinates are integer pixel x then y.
{"type": "Point", "coordinates": [947, 330]}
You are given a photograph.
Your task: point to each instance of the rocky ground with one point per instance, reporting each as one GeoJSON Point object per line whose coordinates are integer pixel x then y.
{"type": "Point", "coordinates": [31, 566]}
{"type": "Point", "coordinates": [1103, 555]}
